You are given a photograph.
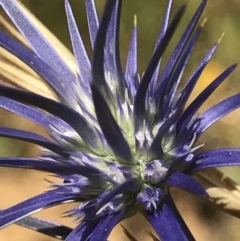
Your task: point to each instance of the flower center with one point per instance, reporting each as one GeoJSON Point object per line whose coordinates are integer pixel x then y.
{"type": "Point", "coordinates": [151, 172]}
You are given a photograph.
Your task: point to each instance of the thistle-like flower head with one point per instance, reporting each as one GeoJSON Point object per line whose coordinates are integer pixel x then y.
{"type": "Point", "coordinates": [119, 140]}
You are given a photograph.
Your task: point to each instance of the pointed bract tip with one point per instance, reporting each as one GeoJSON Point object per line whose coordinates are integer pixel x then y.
{"type": "Point", "coordinates": [234, 65]}
{"type": "Point", "coordinates": [135, 20]}
{"type": "Point", "coordinates": [202, 24]}
{"type": "Point", "coordinates": [221, 37]}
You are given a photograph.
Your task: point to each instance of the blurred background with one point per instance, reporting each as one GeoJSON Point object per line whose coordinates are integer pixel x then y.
{"type": "Point", "coordinates": [223, 16]}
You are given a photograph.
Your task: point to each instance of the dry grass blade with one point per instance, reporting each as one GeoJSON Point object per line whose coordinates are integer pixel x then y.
{"type": "Point", "coordinates": [128, 234]}
{"type": "Point", "coordinates": [132, 238]}
{"type": "Point", "coordinates": [223, 191]}
{"type": "Point", "coordinates": [23, 76]}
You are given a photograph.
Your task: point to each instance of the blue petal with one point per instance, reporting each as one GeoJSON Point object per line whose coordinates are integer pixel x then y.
{"type": "Point", "coordinates": [73, 118]}
{"type": "Point", "coordinates": [140, 98]}
{"type": "Point", "coordinates": [55, 80]}
{"type": "Point", "coordinates": [92, 17]}
{"type": "Point", "coordinates": [95, 229]}
{"type": "Point", "coordinates": [187, 89]}
{"type": "Point", "coordinates": [110, 128]}
{"type": "Point", "coordinates": [33, 138]}
{"type": "Point", "coordinates": [128, 186]}
{"type": "Point", "coordinates": [163, 30]}
{"type": "Point", "coordinates": [49, 165]}
{"type": "Point", "coordinates": [174, 80]}
{"type": "Point", "coordinates": [98, 54]}
{"type": "Point", "coordinates": [84, 66]}
{"type": "Point", "coordinates": [83, 231]}
{"type": "Point", "coordinates": [32, 205]}
{"type": "Point", "coordinates": [177, 52]}
{"type": "Point", "coordinates": [112, 56]}
{"type": "Point", "coordinates": [131, 74]}
{"type": "Point", "coordinates": [105, 226]}
{"type": "Point", "coordinates": [217, 158]}
{"type": "Point", "coordinates": [27, 112]}
{"type": "Point", "coordinates": [45, 227]}
{"type": "Point", "coordinates": [218, 111]}
{"type": "Point", "coordinates": [202, 97]}
{"type": "Point", "coordinates": [184, 181]}
{"type": "Point", "coordinates": [156, 147]}
{"type": "Point", "coordinates": [37, 40]}
{"type": "Point", "coordinates": [168, 223]}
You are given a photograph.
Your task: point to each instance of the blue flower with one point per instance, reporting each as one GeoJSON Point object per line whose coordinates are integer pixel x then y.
{"type": "Point", "coordinates": [118, 140]}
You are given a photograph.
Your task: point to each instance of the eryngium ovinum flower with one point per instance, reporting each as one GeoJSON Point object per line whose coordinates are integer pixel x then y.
{"type": "Point", "coordinates": [118, 140]}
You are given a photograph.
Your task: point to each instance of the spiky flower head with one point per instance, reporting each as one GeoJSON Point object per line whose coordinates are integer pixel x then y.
{"type": "Point", "coordinates": [117, 139]}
